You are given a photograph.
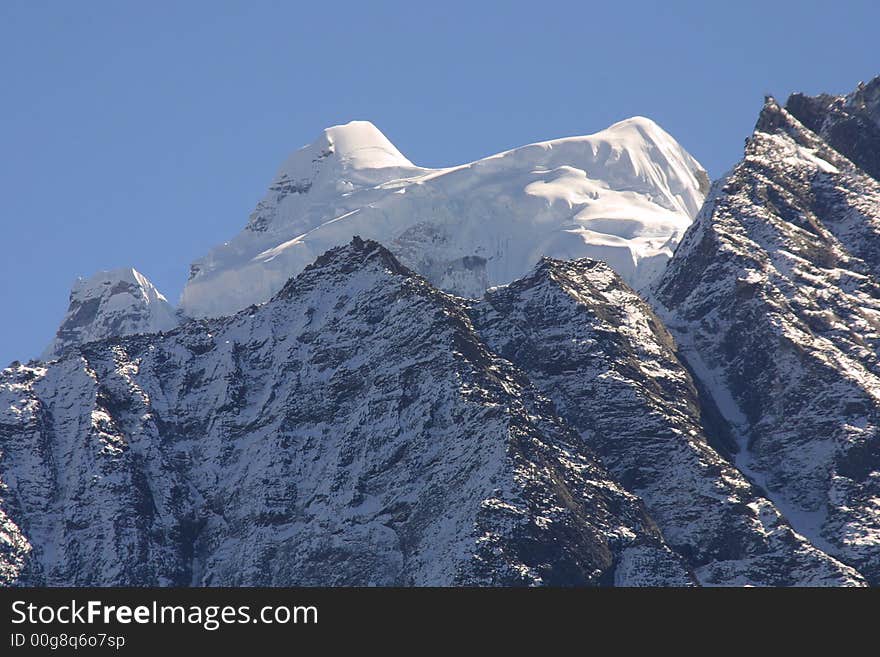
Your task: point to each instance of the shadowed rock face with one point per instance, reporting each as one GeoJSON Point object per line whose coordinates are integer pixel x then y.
{"type": "Point", "coordinates": [353, 430]}
{"type": "Point", "coordinates": [599, 352]}
{"type": "Point", "coordinates": [774, 297]}
{"type": "Point", "coordinates": [850, 124]}
{"type": "Point", "coordinates": [363, 427]}
{"type": "Point", "coordinates": [111, 304]}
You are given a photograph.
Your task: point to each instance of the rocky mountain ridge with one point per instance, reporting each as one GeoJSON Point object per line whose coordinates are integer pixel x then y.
{"type": "Point", "coordinates": [353, 430]}
{"type": "Point", "coordinates": [717, 424]}
{"type": "Point", "coordinates": [773, 296]}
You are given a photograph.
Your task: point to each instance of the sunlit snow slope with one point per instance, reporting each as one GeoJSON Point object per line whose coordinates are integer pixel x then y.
{"type": "Point", "coordinates": [624, 195]}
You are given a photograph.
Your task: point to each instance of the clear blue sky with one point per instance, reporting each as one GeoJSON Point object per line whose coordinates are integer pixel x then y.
{"type": "Point", "coordinates": [143, 133]}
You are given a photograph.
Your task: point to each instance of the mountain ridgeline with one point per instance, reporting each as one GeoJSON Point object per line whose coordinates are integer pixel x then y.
{"type": "Point", "coordinates": [381, 381]}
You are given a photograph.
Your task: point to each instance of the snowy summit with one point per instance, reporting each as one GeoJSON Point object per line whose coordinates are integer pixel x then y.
{"type": "Point", "coordinates": [624, 195]}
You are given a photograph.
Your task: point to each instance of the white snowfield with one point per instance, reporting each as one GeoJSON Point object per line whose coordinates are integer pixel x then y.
{"type": "Point", "coordinates": [624, 195]}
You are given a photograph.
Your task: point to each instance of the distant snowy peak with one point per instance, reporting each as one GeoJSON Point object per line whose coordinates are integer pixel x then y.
{"type": "Point", "coordinates": [343, 158]}
{"type": "Point", "coordinates": [111, 304]}
{"type": "Point", "coordinates": [624, 195]}
{"type": "Point", "coordinates": [361, 145]}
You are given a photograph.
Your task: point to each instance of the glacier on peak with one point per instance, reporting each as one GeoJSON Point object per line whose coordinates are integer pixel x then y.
{"type": "Point", "coordinates": [624, 195]}
{"type": "Point", "coordinates": [110, 304]}
{"type": "Point", "coordinates": [363, 146]}
{"type": "Point", "coordinates": [353, 431]}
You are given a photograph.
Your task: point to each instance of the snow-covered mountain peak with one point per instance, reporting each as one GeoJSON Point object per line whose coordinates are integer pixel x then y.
{"type": "Point", "coordinates": [660, 153]}
{"type": "Point", "coordinates": [773, 288]}
{"type": "Point", "coordinates": [623, 195]}
{"type": "Point", "coordinates": [354, 146]}
{"type": "Point", "coordinates": [343, 159]}
{"type": "Point", "coordinates": [778, 133]}
{"type": "Point", "coordinates": [110, 304]}
{"type": "Point", "coordinates": [116, 279]}
{"type": "Point", "coordinates": [363, 146]}
{"type": "Point", "coordinates": [359, 250]}
{"type": "Point", "coordinates": [559, 272]}
{"type": "Point", "coordinates": [635, 154]}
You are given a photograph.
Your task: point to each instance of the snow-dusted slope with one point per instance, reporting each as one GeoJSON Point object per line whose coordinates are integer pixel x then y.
{"type": "Point", "coordinates": [112, 303]}
{"type": "Point", "coordinates": [353, 430]}
{"type": "Point", "coordinates": [774, 296]}
{"type": "Point", "coordinates": [364, 427]}
{"type": "Point", "coordinates": [599, 352]}
{"type": "Point", "coordinates": [624, 195]}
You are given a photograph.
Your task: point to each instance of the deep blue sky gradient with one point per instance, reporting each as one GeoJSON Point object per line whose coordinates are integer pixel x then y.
{"type": "Point", "coordinates": [143, 133]}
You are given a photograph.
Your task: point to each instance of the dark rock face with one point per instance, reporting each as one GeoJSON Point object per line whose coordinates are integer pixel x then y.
{"type": "Point", "coordinates": [850, 124]}
{"type": "Point", "coordinates": [599, 352]}
{"type": "Point", "coordinates": [353, 430]}
{"type": "Point", "coordinates": [773, 296]}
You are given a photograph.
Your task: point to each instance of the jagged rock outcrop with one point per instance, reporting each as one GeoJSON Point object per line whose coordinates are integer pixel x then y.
{"type": "Point", "coordinates": [353, 430]}
{"type": "Point", "coordinates": [773, 295]}
{"type": "Point", "coordinates": [599, 352]}
{"type": "Point", "coordinates": [850, 124]}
